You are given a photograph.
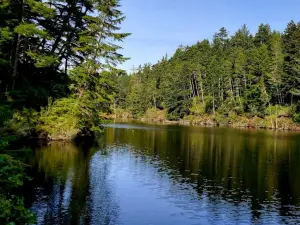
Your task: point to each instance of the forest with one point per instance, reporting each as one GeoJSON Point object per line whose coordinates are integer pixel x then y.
{"type": "Point", "coordinates": [58, 70]}
{"type": "Point", "coordinates": [58, 63]}
{"type": "Point", "coordinates": [243, 80]}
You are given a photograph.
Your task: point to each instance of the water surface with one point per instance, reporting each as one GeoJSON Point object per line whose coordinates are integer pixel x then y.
{"type": "Point", "coordinates": [138, 174]}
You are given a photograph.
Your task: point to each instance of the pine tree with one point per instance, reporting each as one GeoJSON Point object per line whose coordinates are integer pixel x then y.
{"type": "Point", "coordinates": [263, 35]}
{"type": "Point", "coordinates": [91, 81]}
{"type": "Point", "coordinates": [291, 61]}
{"type": "Point", "coordinates": [242, 74]}
{"type": "Point", "coordinates": [275, 81]}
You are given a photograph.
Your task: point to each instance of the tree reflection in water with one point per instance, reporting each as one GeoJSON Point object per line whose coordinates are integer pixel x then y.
{"type": "Point", "coordinates": [208, 175]}
{"type": "Point", "coordinates": [74, 188]}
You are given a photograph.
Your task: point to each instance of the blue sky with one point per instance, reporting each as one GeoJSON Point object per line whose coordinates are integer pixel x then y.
{"type": "Point", "coordinates": [160, 26]}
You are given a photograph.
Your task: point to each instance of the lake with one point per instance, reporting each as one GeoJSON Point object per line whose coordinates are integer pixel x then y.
{"type": "Point", "coordinates": [139, 174]}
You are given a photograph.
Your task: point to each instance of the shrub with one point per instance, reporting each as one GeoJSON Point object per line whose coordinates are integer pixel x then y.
{"type": "Point", "coordinates": [296, 115]}
{"type": "Point", "coordinates": [230, 118]}
{"type": "Point", "coordinates": [154, 114]}
{"type": "Point", "coordinates": [12, 176]}
{"type": "Point", "coordinates": [23, 122]}
{"type": "Point", "coordinates": [5, 140]}
{"type": "Point", "coordinates": [230, 106]}
{"type": "Point", "coordinates": [279, 111]}
{"type": "Point", "coordinates": [123, 114]}
{"type": "Point", "coordinates": [59, 120]}
{"type": "Point", "coordinates": [17, 124]}
{"type": "Point", "coordinates": [5, 114]}
{"type": "Point", "coordinates": [197, 108]}
{"type": "Point", "coordinates": [258, 122]}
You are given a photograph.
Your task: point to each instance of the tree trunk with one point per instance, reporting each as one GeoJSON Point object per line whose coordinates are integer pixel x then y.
{"type": "Point", "coordinates": [219, 85]}
{"type": "Point", "coordinates": [15, 66]}
{"type": "Point", "coordinates": [202, 93]}
{"type": "Point", "coordinates": [276, 122]}
{"type": "Point", "coordinates": [17, 52]}
{"type": "Point", "coordinates": [201, 89]}
{"type": "Point", "coordinates": [231, 89]}
{"type": "Point", "coordinates": [245, 81]}
{"type": "Point", "coordinates": [192, 89]}
{"type": "Point", "coordinates": [59, 36]}
{"type": "Point", "coordinates": [214, 111]}
{"type": "Point", "coordinates": [66, 69]}
{"type": "Point", "coordinates": [154, 102]}
{"type": "Point", "coordinates": [196, 85]}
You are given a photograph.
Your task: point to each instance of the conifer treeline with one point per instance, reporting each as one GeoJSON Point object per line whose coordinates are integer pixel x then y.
{"type": "Point", "coordinates": [243, 74]}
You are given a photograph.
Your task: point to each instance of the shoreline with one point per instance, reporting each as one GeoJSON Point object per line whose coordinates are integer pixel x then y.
{"type": "Point", "coordinates": [279, 124]}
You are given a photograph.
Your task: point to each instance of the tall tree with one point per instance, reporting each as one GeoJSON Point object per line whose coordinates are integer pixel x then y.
{"type": "Point", "coordinates": [291, 61]}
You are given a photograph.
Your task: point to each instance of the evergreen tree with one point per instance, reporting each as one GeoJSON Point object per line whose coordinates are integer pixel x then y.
{"type": "Point", "coordinates": [291, 61]}
{"type": "Point", "coordinates": [242, 74]}
{"type": "Point", "coordinates": [64, 50]}
{"type": "Point", "coordinates": [275, 79]}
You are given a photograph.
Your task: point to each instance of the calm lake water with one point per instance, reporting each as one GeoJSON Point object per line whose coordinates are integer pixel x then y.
{"type": "Point", "coordinates": [138, 174]}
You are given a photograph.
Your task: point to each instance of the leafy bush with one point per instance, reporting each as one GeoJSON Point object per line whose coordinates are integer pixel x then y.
{"type": "Point", "coordinates": [23, 122]}
{"type": "Point", "coordinates": [5, 140]}
{"type": "Point", "coordinates": [296, 115]}
{"type": "Point", "coordinates": [208, 108]}
{"type": "Point", "coordinates": [122, 114]}
{"type": "Point", "coordinates": [59, 120]}
{"type": "Point", "coordinates": [205, 119]}
{"type": "Point", "coordinates": [230, 118]}
{"type": "Point", "coordinates": [173, 116]}
{"type": "Point", "coordinates": [5, 114]}
{"type": "Point", "coordinates": [155, 115]}
{"type": "Point", "coordinates": [279, 111]}
{"type": "Point", "coordinates": [11, 173]}
{"type": "Point", "coordinates": [258, 122]}
{"type": "Point", "coordinates": [17, 123]}
{"type": "Point", "coordinates": [65, 118]}
{"type": "Point", "coordinates": [12, 176]}
{"type": "Point", "coordinates": [13, 211]}
{"type": "Point", "coordinates": [197, 108]}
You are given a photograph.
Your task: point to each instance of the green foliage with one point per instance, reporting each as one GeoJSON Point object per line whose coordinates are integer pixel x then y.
{"type": "Point", "coordinates": [11, 173]}
{"type": "Point", "coordinates": [59, 120]}
{"type": "Point", "coordinates": [29, 30]}
{"type": "Point", "coordinates": [5, 114]}
{"type": "Point", "coordinates": [5, 140]}
{"type": "Point", "coordinates": [155, 115]}
{"type": "Point", "coordinates": [64, 50]}
{"type": "Point", "coordinates": [6, 34]}
{"type": "Point", "coordinates": [279, 111]}
{"type": "Point", "coordinates": [64, 118]}
{"type": "Point", "coordinates": [121, 113]}
{"type": "Point", "coordinates": [43, 60]}
{"type": "Point", "coordinates": [12, 209]}
{"type": "Point", "coordinates": [122, 86]}
{"type": "Point", "coordinates": [291, 41]}
{"type": "Point", "coordinates": [197, 108]}
{"type": "Point", "coordinates": [225, 79]}
{"type": "Point", "coordinates": [22, 123]}
{"type": "Point", "coordinates": [256, 99]}
{"type": "Point", "coordinates": [41, 8]}
{"type": "Point", "coordinates": [296, 115]}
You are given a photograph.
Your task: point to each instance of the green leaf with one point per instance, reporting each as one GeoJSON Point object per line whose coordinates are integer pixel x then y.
{"type": "Point", "coordinates": [30, 30]}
